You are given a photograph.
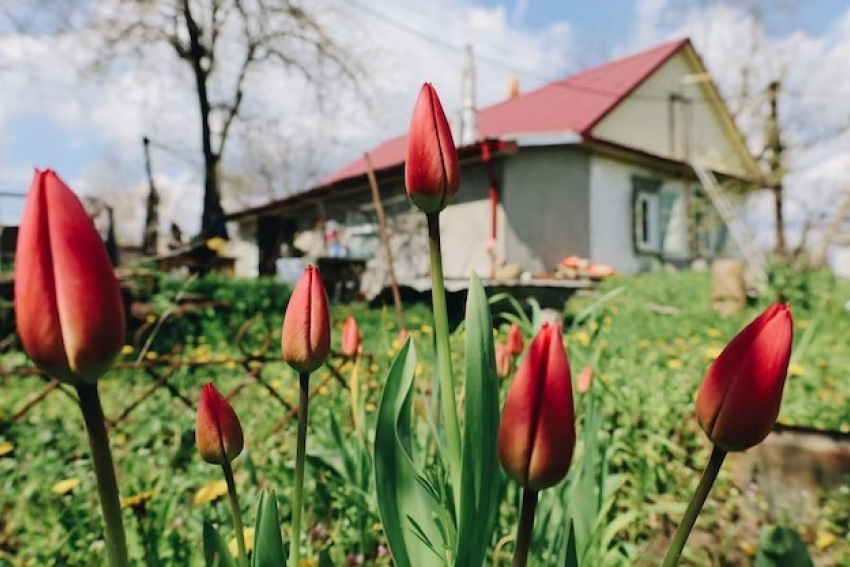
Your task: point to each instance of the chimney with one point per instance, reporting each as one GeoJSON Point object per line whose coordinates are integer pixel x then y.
{"type": "Point", "coordinates": [513, 87]}
{"type": "Point", "coordinates": [468, 131]}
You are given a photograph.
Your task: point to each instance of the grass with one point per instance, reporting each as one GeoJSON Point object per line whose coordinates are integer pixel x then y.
{"type": "Point", "coordinates": [649, 346]}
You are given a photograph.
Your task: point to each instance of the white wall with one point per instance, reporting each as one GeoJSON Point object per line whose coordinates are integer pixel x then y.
{"type": "Point", "coordinates": [611, 223]}
{"type": "Point", "coordinates": [643, 120]}
{"type": "Point", "coordinates": [243, 247]}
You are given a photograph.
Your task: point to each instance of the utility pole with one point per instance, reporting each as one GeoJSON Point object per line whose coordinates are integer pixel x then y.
{"type": "Point", "coordinates": [150, 238]}
{"type": "Point", "coordinates": [775, 164]}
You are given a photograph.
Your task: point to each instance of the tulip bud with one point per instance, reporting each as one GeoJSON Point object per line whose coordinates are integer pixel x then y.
{"type": "Point", "coordinates": [738, 401]}
{"type": "Point", "coordinates": [350, 338]}
{"type": "Point", "coordinates": [515, 340]}
{"type": "Point", "coordinates": [432, 171]}
{"type": "Point", "coordinates": [306, 336]}
{"type": "Point", "coordinates": [537, 432]}
{"type": "Point", "coordinates": [585, 380]}
{"type": "Point", "coordinates": [68, 306]}
{"type": "Point", "coordinates": [503, 360]}
{"type": "Point", "coordinates": [218, 433]}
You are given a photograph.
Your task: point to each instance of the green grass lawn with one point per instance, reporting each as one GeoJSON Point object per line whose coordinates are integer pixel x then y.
{"type": "Point", "coordinates": [649, 344]}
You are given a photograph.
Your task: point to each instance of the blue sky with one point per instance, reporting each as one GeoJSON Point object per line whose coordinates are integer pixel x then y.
{"type": "Point", "coordinates": [91, 134]}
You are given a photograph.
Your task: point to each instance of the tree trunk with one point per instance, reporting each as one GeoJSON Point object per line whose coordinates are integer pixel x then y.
{"type": "Point", "coordinates": [212, 218]}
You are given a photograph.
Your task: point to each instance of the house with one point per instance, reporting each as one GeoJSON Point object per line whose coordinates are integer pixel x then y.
{"type": "Point", "coordinates": [598, 164]}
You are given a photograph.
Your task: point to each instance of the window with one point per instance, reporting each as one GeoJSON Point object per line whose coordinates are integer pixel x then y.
{"type": "Point", "coordinates": [659, 219]}
{"type": "Point", "coordinates": [646, 216]}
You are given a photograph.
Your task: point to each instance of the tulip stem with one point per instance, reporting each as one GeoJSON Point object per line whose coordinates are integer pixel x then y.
{"type": "Point", "coordinates": [444, 360]}
{"type": "Point", "coordinates": [709, 475]}
{"type": "Point", "coordinates": [237, 513]}
{"type": "Point", "coordinates": [300, 456]}
{"type": "Point", "coordinates": [107, 486]}
{"type": "Point", "coordinates": [525, 528]}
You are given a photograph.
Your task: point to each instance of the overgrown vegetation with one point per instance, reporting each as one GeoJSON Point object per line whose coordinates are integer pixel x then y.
{"type": "Point", "coordinates": [649, 342]}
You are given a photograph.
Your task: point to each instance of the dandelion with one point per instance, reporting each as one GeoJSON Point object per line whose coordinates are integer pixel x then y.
{"type": "Point", "coordinates": [210, 492]}
{"type": "Point", "coordinates": [63, 487]}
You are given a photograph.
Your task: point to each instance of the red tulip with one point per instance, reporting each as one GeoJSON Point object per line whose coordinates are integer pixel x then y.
{"type": "Point", "coordinates": [503, 360]}
{"type": "Point", "coordinates": [537, 433]}
{"type": "Point", "coordinates": [738, 401]}
{"type": "Point", "coordinates": [515, 340]}
{"type": "Point", "coordinates": [306, 336]}
{"type": "Point", "coordinates": [218, 433]}
{"type": "Point", "coordinates": [350, 338]}
{"type": "Point", "coordinates": [585, 380]}
{"type": "Point", "coordinates": [432, 171]}
{"type": "Point", "coordinates": [68, 305]}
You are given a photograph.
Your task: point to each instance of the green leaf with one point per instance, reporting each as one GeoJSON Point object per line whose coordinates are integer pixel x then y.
{"type": "Point", "coordinates": [402, 500]}
{"type": "Point", "coordinates": [780, 546]}
{"type": "Point", "coordinates": [572, 553]}
{"type": "Point", "coordinates": [216, 553]}
{"type": "Point", "coordinates": [324, 560]}
{"type": "Point", "coordinates": [268, 542]}
{"type": "Point", "coordinates": [480, 478]}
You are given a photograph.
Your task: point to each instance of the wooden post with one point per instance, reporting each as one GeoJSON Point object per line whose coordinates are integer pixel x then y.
{"type": "Point", "coordinates": [385, 240]}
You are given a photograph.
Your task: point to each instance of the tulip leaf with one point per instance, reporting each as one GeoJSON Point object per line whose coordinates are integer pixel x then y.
{"type": "Point", "coordinates": [324, 560]}
{"type": "Point", "coordinates": [406, 507]}
{"type": "Point", "coordinates": [571, 552]}
{"type": "Point", "coordinates": [780, 546]}
{"type": "Point", "coordinates": [216, 553]}
{"type": "Point", "coordinates": [268, 542]}
{"type": "Point", "coordinates": [480, 479]}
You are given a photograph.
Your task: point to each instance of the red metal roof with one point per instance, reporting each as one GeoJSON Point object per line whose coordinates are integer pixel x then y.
{"type": "Point", "coordinates": [575, 104]}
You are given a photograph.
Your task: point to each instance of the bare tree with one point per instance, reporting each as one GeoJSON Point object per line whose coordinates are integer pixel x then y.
{"type": "Point", "coordinates": [223, 43]}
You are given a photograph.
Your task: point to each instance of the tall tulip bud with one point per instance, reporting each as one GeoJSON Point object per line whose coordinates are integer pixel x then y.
{"type": "Point", "coordinates": [585, 380]}
{"type": "Point", "coordinates": [515, 340]}
{"type": "Point", "coordinates": [503, 360]}
{"type": "Point", "coordinates": [306, 336]}
{"type": "Point", "coordinates": [218, 432]}
{"type": "Point", "coordinates": [350, 337]}
{"type": "Point", "coordinates": [432, 171]}
{"type": "Point", "coordinates": [738, 401]}
{"type": "Point", "coordinates": [68, 306]}
{"type": "Point", "coordinates": [537, 433]}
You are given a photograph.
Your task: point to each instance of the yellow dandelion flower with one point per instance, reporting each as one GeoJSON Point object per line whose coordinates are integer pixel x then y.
{"type": "Point", "coordinates": [582, 338]}
{"type": "Point", "coordinates": [373, 368]}
{"type": "Point", "coordinates": [795, 369]}
{"type": "Point", "coordinates": [370, 407]}
{"type": "Point", "coordinates": [308, 562]}
{"type": "Point", "coordinates": [137, 500]}
{"type": "Point", "coordinates": [151, 355]}
{"type": "Point", "coordinates": [420, 369]}
{"type": "Point", "coordinates": [324, 391]}
{"type": "Point", "coordinates": [594, 325]}
{"type": "Point", "coordinates": [6, 448]}
{"type": "Point", "coordinates": [713, 352]}
{"type": "Point", "coordinates": [127, 349]}
{"type": "Point", "coordinates": [210, 492]}
{"type": "Point", "coordinates": [150, 318]}
{"type": "Point", "coordinates": [230, 365]}
{"type": "Point", "coordinates": [713, 333]}
{"type": "Point", "coordinates": [748, 547]}
{"type": "Point", "coordinates": [373, 384]}
{"type": "Point", "coordinates": [824, 540]}
{"type": "Point", "coordinates": [277, 383]}
{"type": "Point", "coordinates": [65, 486]}
{"type": "Point", "coordinates": [674, 364]}
{"type": "Point", "coordinates": [426, 329]}
{"type": "Point", "coordinates": [249, 542]}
